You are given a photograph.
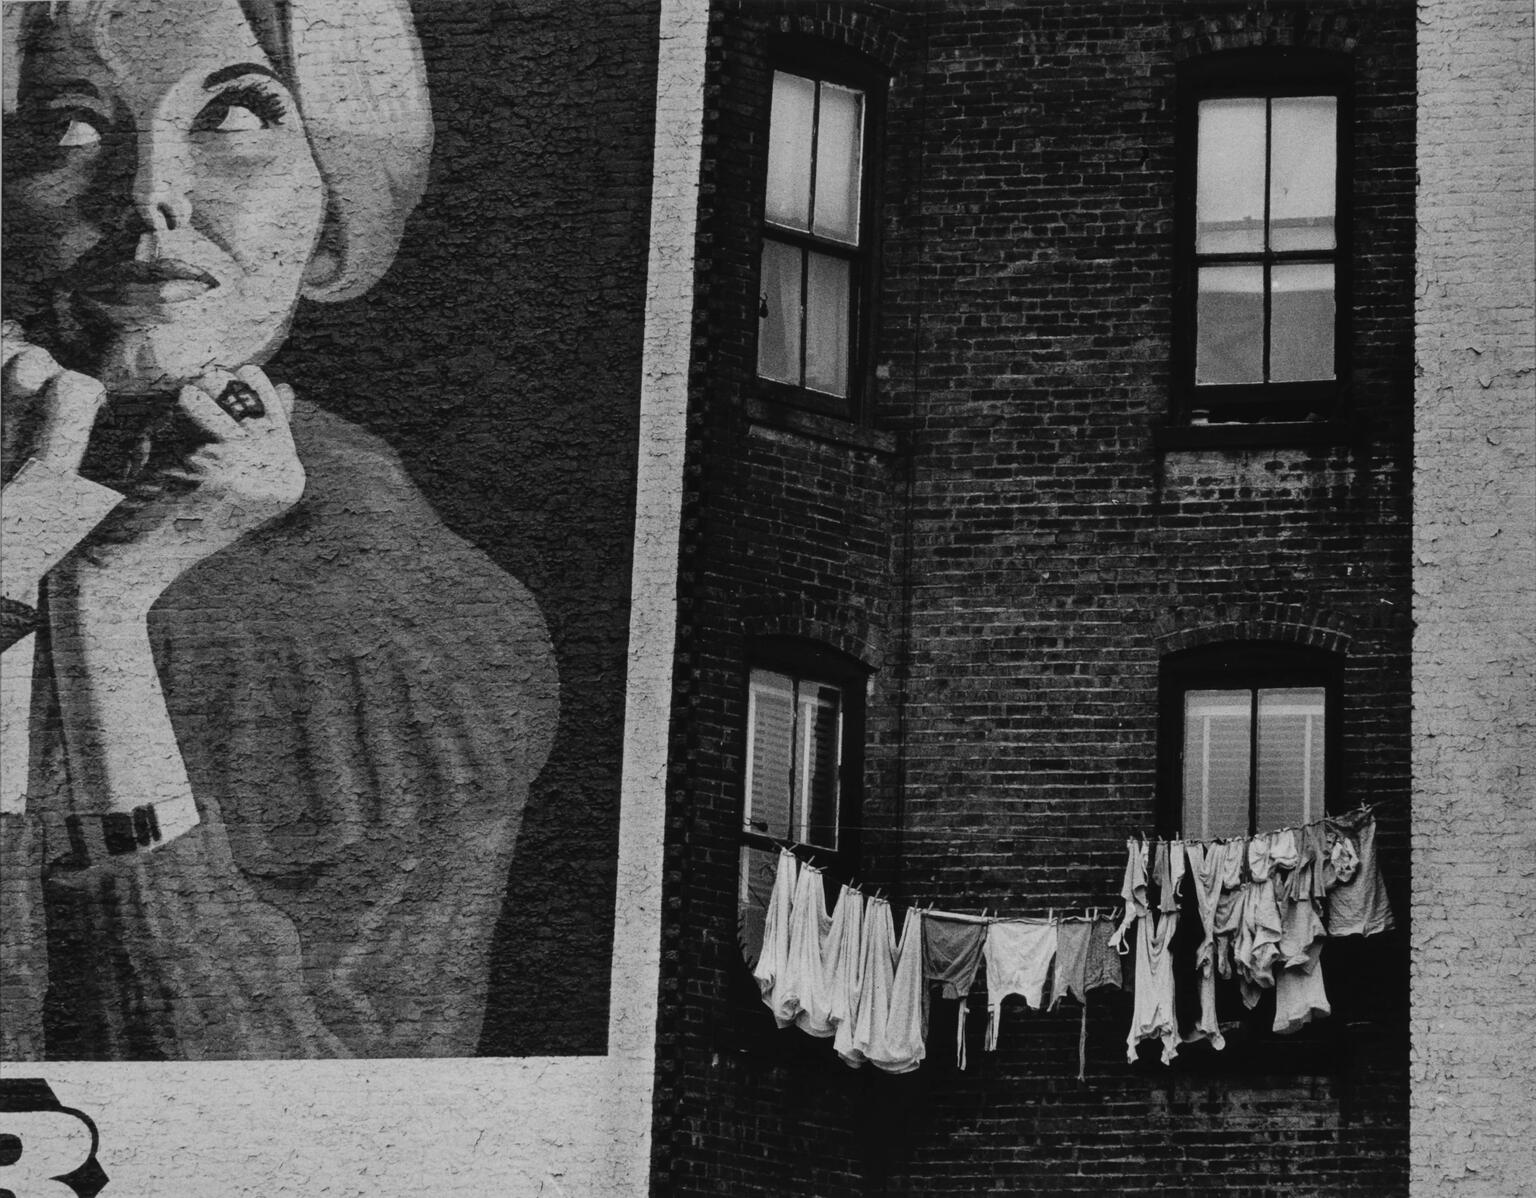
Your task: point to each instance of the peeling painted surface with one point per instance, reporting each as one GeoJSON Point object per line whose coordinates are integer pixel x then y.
{"type": "Point", "coordinates": [524, 344]}
{"type": "Point", "coordinates": [1474, 853]}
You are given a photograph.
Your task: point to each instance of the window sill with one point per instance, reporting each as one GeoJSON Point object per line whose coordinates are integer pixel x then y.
{"type": "Point", "coordinates": [1256, 435]}
{"type": "Point", "coordinates": [774, 414]}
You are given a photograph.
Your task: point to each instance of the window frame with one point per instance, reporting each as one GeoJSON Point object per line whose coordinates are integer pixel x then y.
{"type": "Point", "coordinates": [827, 64]}
{"type": "Point", "coordinates": [1268, 73]}
{"type": "Point", "coordinates": [810, 661]}
{"type": "Point", "coordinates": [1253, 666]}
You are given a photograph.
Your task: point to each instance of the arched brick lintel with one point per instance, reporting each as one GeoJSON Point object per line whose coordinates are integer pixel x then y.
{"type": "Point", "coordinates": [1259, 26]}
{"type": "Point", "coordinates": [1311, 627]}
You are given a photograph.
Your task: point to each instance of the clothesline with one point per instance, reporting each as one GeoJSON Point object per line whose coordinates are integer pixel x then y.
{"type": "Point", "coordinates": [995, 834]}
{"type": "Point", "coordinates": [1090, 912]}
{"type": "Point", "coordinates": [797, 847]}
{"type": "Point", "coordinates": [1322, 821]}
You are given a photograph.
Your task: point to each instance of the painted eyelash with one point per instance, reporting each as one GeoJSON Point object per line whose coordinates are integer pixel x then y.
{"type": "Point", "coordinates": [265, 103]}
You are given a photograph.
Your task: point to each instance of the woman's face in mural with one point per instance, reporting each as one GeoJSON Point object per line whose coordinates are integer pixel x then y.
{"type": "Point", "coordinates": [161, 199]}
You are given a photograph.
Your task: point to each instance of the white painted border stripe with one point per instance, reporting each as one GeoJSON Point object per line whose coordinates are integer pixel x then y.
{"type": "Point", "coordinates": [653, 588]}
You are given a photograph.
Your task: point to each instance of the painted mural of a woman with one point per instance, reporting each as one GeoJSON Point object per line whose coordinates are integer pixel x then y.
{"type": "Point", "coordinates": [283, 722]}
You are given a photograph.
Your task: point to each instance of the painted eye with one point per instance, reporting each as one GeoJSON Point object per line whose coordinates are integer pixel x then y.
{"type": "Point", "coordinates": [78, 133]}
{"type": "Point", "coordinates": [238, 118]}
{"type": "Point", "coordinates": [249, 108]}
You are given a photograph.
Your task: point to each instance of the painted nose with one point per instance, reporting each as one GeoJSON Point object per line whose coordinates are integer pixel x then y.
{"type": "Point", "coordinates": [162, 197]}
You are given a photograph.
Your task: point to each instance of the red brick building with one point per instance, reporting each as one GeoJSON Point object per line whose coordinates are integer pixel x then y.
{"type": "Point", "coordinates": [1052, 378]}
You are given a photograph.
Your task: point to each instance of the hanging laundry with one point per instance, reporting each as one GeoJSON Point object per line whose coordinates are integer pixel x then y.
{"type": "Point", "coordinates": [1307, 879]}
{"type": "Point", "coordinates": [1207, 865]}
{"type": "Point", "coordinates": [1152, 1017]}
{"type": "Point", "coordinates": [1133, 890]}
{"type": "Point", "coordinates": [1102, 967]}
{"type": "Point", "coordinates": [774, 959]}
{"type": "Point", "coordinates": [877, 969]}
{"type": "Point", "coordinates": [1343, 857]}
{"type": "Point", "coordinates": [1229, 907]}
{"type": "Point", "coordinates": [845, 953]}
{"type": "Point", "coordinates": [804, 986]}
{"type": "Point", "coordinates": [1258, 933]}
{"type": "Point", "coordinates": [1069, 980]}
{"type": "Point", "coordinates": [952, 949]}
{"type": "Point", "coordinates": [1284, 849]}
{"type": "Point", "coordinates": [1167, 873]}
{"type": "Point", "coordinates": [1084, 961]}
{"type": "Point", "coordinates": [898, 1042]}
{"type": "Point", "coordinates": [1300, 995]}
{"type": "Point", "coordinates": [1018, 953]}
{"type": "Point", "coordinates": [1359, 906]}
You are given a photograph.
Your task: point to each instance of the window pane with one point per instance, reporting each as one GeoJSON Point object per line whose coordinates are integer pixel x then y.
{"type": "Point", "coordinates": [778, 326]}
{"type": "Point", "coordinates": [821, 745]}
{"type": "Point", "coordinates": [1301, 316]}
{"type": "Point", "coordinates": [1217, 752]}
{"type": "Point", "coordinates": [1230, 325]}
{"type": "Point", "coordinates": [1303, 159]}
{"type": "Point", "coordinates": [754, 885]}
{"type": "Point", "coordinates": [770, 762]}
{"type": "Point", "coordinates": [826, 325]}
{"type": "Point", "coordinates": [839, 137]}
{"type": "Point", "coordinates": [1290, 775]}
{"type": "Point", "coordinates": [1229, 188]}
{"type": "Point", "coordinates": [789, 151]}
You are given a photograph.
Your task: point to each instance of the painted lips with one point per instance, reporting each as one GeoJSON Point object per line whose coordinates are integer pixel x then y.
{"type": "Point", "coordinates": [148, 284]}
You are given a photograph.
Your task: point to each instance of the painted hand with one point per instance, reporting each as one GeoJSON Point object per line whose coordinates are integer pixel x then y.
{"type": "Point", "coordinates": [48, 412]}
{"type": "Point", "coordinates": [191, 502]}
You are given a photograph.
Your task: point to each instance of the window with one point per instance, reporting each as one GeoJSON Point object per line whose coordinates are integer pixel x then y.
{"type": "Point", "coordinates": [1248, 739]}
{"type": "Point", "coordinates": [815, 250]}
{"type": "Point", "coordinates": [1264, 270]}
{"type": "Point", "coordinates": [802, 770]}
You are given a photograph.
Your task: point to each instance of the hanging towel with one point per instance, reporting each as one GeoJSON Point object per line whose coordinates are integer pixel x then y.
{"type": "Point", "coordinates": [952, 947]}
{"type": "Point", "coordinates": [804, 987]}
{"type": "Point", "coordinates": [898, 1044]}
{"type": "Point", "coordinates": [845, 951]}
{"type": "Point", "coordinates": [774, 960]}
{"type": "Point", "coordinates": [877, 972]}
{"type": "Point", "coordinates": [1018, 953]}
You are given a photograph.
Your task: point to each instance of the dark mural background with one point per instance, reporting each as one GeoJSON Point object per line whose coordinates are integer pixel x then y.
{"type": "Point", "coordinates": [501, 359]}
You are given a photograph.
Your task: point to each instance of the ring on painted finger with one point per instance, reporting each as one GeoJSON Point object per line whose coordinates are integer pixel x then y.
{"type": "Point", "coordinates": [241, 401]}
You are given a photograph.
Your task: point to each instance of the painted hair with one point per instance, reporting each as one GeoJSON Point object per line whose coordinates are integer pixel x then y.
{"type": "Point", "coordinates": [356, 72]}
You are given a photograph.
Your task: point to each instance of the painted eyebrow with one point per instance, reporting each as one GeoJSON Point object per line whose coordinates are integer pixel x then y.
{"type": "Point", "coordinates": [80, 87]}
{"type": "Point", "coordinates": [240, 69]}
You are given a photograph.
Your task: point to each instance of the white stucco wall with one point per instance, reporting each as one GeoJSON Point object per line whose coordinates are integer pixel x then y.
{"type": "Point", "coordinates": [1474, 813]}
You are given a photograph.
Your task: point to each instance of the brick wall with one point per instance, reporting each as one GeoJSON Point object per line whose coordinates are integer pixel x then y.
{"type": "Point", "coordinates": [1474, 558]}
{"type": "Point", "coordinates": [1007, 549]}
